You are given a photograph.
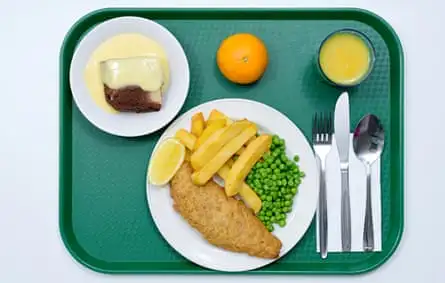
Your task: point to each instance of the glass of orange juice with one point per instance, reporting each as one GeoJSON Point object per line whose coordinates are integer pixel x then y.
{"type": "Point", "coordinates": [346, 58]}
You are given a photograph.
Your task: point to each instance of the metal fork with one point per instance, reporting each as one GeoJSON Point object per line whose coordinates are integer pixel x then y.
{"type": "Point", "coordinates": [322, 129]}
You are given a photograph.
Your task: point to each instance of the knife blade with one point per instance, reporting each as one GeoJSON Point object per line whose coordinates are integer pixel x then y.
{"type": "Point", "coordinates": [341, 126]}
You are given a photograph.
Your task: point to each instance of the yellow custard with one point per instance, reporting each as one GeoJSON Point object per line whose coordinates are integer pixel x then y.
{"type": "Point", "coordinates": [127, 46]}
{"type": "Point", "coordinates": [345, 58]}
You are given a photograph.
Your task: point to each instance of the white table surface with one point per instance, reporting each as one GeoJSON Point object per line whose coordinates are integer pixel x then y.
{"type": "Point", "coordinates": [31, 33]}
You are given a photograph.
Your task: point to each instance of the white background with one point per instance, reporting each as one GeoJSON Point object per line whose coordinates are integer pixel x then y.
{"type": "Point", "coordinates": [31, 33]}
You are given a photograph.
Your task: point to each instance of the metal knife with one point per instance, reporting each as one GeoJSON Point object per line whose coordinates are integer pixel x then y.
{"type": "Point", "coordinates": [341, 126]}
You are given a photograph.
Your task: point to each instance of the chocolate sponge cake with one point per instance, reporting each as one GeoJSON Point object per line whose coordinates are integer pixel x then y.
{"type": "Point", "coordinates": [133, 99]}
{"type": "Point", "coordinates": [133, 84]}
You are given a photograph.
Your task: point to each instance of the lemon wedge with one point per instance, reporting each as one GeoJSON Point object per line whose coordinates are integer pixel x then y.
{"type": "Point", "coordinates": [166, 161]}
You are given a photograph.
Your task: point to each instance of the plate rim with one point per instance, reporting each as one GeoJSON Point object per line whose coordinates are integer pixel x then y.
{"type": "Point", "coordinates": [148, 130]}
{"type": "Point", "coordinates": [171, 242]}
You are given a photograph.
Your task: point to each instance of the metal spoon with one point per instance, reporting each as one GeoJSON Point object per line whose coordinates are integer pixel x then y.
{"type": "Point", "coordinates": [368, 144]}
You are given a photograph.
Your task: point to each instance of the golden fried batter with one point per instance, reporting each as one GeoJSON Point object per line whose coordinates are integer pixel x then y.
{"type": "Point", "coordinates": [224, 221]}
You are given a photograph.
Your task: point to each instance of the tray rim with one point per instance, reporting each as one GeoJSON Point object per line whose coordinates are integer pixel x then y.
{"type": "Point", "coordinates": [65, 105]}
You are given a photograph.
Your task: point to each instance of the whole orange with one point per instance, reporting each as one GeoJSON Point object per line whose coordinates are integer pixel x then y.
{"type": "Point", "coordinates": [242, 58]}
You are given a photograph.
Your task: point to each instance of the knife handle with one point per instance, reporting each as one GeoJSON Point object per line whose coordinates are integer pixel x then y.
{"type": "Point", "coordinates": [345, 211]}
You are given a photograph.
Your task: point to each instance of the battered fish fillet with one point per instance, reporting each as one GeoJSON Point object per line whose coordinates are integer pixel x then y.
{"type": "Point", "coordinates": [223, 221]}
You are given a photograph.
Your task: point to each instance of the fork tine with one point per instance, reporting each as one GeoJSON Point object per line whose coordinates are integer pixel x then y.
{"type": "Point", "coordinates": [325, 127]}
{"type": "Point", "coordinates": [314, 128]}
{"type": "Point", "coordinates": [331, 127]}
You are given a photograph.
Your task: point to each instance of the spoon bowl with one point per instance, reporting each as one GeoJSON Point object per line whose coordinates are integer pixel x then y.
{"type": "Point", "coordinates": [368, 139]}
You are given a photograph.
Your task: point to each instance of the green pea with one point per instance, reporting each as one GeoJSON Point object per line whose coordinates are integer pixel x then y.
{"type": "Point", "coordinates": [273, 166]}
{"type": "Point", "coordinates": [276, 171]}
{"type": "Point", "coordinates": [268, 170]}
{"type": "Point", "coordinates": [302, 174]}
{"type": "Point", "coordinates": [269, 213]}
{"type": "Point", "coordinates": [279, 183]}
{"type": "Point", "coordinates": [275, 154]}
{"type": "Point", "coordinates": [270, 228]}
{"type": "Point", "coordinates": [266, 218]}
{"type": "Point", "coordinates": [274, 177]}
{"type": "Point", "coordinates": [269, 198]}
{"type": "Point", "coordinates": [291, 183]}
{"type": "Point", "coordinates": [293, 190]}
{"type": "Point", "coordinates": [273, 219]}
{"type": "Point", "coordinates": [284, 182]}
{"type": "Point", "coordinates": [260, 192]}
{"type": "Point", "coordinates": [288, 197]}
{"type": "Point", "coordinates": [296, 158]}
{"type": "Point", "coordinates": [282, 223]}
{"type": "Point", "coordinates": [261, 217]}
{"type": "Point", "coordinates": [278, 162]}
{"type": "Point", "coordinates": [287, 203]}
{"type": "Point", "coordinates": [279, 194]}
{"type": "Point", "coordinates": [282, 167]}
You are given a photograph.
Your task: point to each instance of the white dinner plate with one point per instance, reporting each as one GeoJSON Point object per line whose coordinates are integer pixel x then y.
{"type": "Point", "coordinates": [130, 124]}
{"type": "Point", "coordinates": [187, 241]}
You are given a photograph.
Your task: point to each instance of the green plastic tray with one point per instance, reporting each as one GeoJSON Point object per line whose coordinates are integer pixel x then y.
{"type": "Point", "coordinates": [104, 219]}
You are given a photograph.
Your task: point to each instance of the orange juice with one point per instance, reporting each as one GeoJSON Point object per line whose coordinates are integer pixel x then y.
{"type": "Point", "coordinates": [346, 58]}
